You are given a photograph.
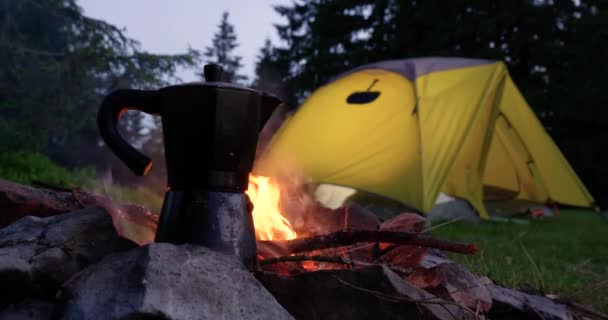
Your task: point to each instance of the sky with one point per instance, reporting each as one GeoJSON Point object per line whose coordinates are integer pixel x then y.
{"type": "Point", "coordinates": [171, 26]}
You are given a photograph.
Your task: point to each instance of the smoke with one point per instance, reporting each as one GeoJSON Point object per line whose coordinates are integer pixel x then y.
{"type": "Point", "coordinates": [269, 130]}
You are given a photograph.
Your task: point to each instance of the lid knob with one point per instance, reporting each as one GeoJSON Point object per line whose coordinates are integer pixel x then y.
{"type": "Point", "coordinates": [213, 72]}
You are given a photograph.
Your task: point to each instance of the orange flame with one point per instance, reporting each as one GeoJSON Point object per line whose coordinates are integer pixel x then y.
{"type": "Point", "coordinates": [269, 223]}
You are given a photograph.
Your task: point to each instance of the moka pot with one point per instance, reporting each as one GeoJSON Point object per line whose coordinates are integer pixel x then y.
{"type": "Point", "coordinates": [210, 132]}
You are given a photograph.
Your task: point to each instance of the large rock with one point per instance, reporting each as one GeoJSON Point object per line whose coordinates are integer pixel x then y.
{"type": "Point", "coordinates": [38, 254]}
{"type": "Point", "coordinates": [449, 208]}
{"type": "Point", "coordinates": [164, 281]}
{"type": "Point", "coordinates": [455, 283]}
{"type": "Point", "coordinates": [406, 222]}
{"type": "Point", "coordinates": [29, 310]}
{"type": "Point", "coordinates": [513, 304]}
{"type": "Point", "coordinates": [17, 201]}
{"type": "Point", "coordinates": [133, 222]}
{"type": "Point", "coordinates": [16, 279]}
{"type": "Point", "coordinates": [373, 292]}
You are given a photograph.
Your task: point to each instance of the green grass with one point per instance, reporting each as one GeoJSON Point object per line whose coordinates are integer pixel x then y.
{"type": "Point", "coordinates": [566, 255]}
{"type": "Point", "coordinates": [28, 167]}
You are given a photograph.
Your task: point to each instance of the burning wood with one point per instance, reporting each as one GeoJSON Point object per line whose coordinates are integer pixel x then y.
{"type": "Point", "coordinates": [300, 258]}
{"type": "Point", "coordinates": [288, 221]}
{"type": "Point", "coordinates": [349, 237]}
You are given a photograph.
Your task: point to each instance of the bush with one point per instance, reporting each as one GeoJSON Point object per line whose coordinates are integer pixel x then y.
{"type": "Point", "coordinates": [29, 167]}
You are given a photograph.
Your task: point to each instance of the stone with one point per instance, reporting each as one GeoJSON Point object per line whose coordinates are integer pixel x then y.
{"type": "Point", "coordinates": [17, 201]}
{"type": "Point", "coordinates": [45, 252]}
{"type": "Point", "coordinates": [458, 284]}
{"type": "Point", "coordinates": [513, 304]}
{"type": "Point", "coordinates": [373, 292]}
{"type": "Point", "coordinates": [405, 256]}
{"type": "Point", "coordinates": [448, 208]}
{"type": "Point", "coordinates": [433, 258]}
{"type": "Point", "coordinates": [358, 217]}
{"type": "Point", "coordinates": [29, 310]}
{"type": "Point", "coordinates": [424, 278]}
{"type": "Point", "coordinates": [133, 222]}
{"type": "Point", "coordinates": [405, 222]}
{"type": "Point", "coordinates": [165, 281]}
{"type": "Point", "coordinates": [16, 279]}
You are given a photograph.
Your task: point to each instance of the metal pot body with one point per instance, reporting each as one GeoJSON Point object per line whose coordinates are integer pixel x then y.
{"type": "Point", "coordinates": [221, 221]}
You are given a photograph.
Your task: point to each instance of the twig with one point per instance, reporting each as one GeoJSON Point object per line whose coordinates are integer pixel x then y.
{"type": "Point", "coordinates": [603, 215]}
{"type": "Point", "coordinates": [581, 308]}
{"type": "Point", "coordinates": [592, 287]}
{"type": "Point", "coordinates": [540, 277]}
{"type": "Point", "coordinates": [401, 298]}
{"type": "Point", "coordinates": [330, 259]}
{"type": "Point", "coordinates": [522, 301]}
{"type": "Point", "coordinates": [348, 237]}
{"type": "Point", "coordinates": [357, 248]}
{"type": "Point", "coordinates": [442, 224]}
{"type": "Point", "coordinates": [401, 270]}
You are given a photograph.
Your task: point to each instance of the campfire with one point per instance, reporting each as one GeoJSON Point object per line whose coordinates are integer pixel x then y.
{"type": "Point", "coordinates": [314, 263]}
{"type": "Point", "coordinates": [329, 239]}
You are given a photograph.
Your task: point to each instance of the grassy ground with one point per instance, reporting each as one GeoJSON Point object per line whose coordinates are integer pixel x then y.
{"type": "Point", "coordinates": [567, 255]}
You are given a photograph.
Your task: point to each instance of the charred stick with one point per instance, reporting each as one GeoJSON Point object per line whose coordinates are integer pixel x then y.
{"type": "Point", "coordinates": [299, 258]}
{"type": "Point", "coordinates": [330, 259]}
{"type": "Point", "coordinates": [348, 237]}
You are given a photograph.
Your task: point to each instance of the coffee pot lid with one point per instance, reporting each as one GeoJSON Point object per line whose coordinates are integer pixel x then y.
{"type": "Point", "coordinates": [214, 77]}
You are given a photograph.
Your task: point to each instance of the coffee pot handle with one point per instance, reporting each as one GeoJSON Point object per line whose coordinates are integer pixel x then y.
{"type": "Point", "coordinates": [112, 108]}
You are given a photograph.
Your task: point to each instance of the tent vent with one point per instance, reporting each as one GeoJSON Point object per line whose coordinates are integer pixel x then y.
{"type": "Point", "coordinates": [362, 97]}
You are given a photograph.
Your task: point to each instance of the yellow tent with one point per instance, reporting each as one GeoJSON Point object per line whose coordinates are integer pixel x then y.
{"type": "Point", "coordinates": [409, 129]}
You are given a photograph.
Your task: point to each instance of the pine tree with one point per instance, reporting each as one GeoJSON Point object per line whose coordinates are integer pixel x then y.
{"type": "Point", "coordinates": [323, 39]}
{"type": "Point", "coordinates": [270, 73]}
{"type": "Point", "coordinates": [221, 51]}
{"type": "Point", "coordinates": [56, 64]}
{"type": "Point", "coordinates": [263, 64]}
